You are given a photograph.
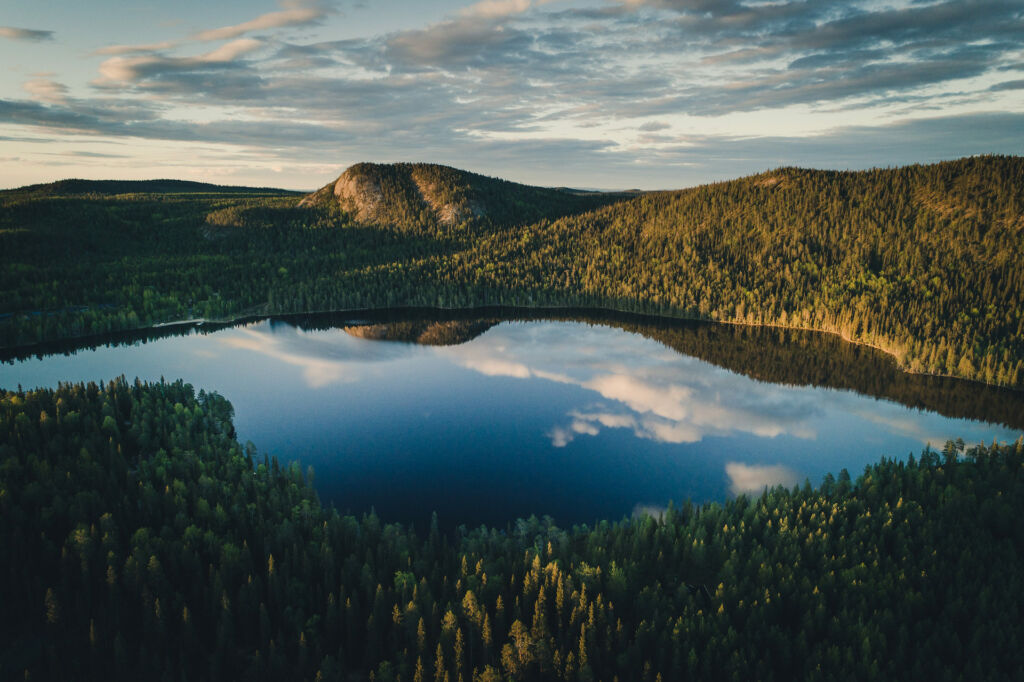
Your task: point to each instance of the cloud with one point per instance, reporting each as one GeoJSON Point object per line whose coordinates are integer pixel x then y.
{"type": "Point", "coordinates": [222, 72]}
{"type": "Point", "coordinates": [155, 67]}
{"type": "Point", "coordinates": [1008, 85]}
{"type": "Point", "coordinates": [917, 140]}
{"type": "Point", "coordinates": [293, 16]}
{"type": "Point", "coordinates": [493, 9]}
{"type": "Point", "coordinates": [46, 90]}
{"type": "Point", "coordinates": [231, 51]}
{"type": "Point", "coordinates": [299, 14]}
{"type": "Point", "coordinates": [317, 372]}
{"type": "Point", "coordinates": [132, 49]}
{"type": "Point", "coordinates": [680, 407]}
{"type": "Point", "coordinates": [96, 155]}
{"type": "Point", "coordinates": [323, 359]}
{"type": "Point", "coordinates": [497, 367]}
{"type": "Point", "coordinates": [653, 94]}
{"type": "Point", "coordinates": [12, 33]}
{"type": "Point", "coordinates": [667, 398]}
{"type": "Point", "coordinates": [560, 437]}
{"type": "Point", "coordinates": [465, 44]}
{"type": "Point", "coordinates": [749, 478]}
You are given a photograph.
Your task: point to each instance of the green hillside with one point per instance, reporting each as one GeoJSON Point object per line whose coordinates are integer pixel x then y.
{"type": "Point", "coordinates": [921, 261]}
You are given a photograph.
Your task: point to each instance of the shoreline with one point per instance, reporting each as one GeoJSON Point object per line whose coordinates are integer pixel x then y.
{"type": "Point", "coordinates": [242, 318]}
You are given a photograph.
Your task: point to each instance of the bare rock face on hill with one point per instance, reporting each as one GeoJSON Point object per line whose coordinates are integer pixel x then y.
{"type": "Point", "coordinates": [404, 192]}
{"type": "Point", "coordinates": [416, 195]}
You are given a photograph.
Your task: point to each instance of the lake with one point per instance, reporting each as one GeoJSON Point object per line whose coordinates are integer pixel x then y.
{"type": "Point", "coordinates": [488, 416]}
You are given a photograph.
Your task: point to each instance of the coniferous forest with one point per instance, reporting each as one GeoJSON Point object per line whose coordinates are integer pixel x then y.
{"type": "Point", "coordinates": [142, 541]}
{"type": "Point", "coordinates": [920, 261]}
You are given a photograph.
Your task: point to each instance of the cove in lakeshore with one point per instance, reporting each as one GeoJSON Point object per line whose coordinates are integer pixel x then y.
{"type": "Point", "coordinates": [588, 417]}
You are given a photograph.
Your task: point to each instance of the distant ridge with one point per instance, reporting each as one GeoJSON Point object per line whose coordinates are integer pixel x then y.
{"type": "Point", "coordinates": [417, 194]}
{"type": "Point", "coordinates": [76, 186]}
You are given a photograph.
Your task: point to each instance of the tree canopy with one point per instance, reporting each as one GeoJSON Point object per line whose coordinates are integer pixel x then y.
{"type": "Point", "coordinates": [141, 540]}
{"type": "Point", "coordinates": [920, 261]}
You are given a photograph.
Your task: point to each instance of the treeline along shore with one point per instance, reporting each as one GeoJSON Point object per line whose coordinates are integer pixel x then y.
{"type": "Point", "coordinates": [920, 261]}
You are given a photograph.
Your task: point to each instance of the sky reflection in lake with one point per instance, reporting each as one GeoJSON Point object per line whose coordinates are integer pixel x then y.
{"type": "Point", "coordinates": [569, 419]}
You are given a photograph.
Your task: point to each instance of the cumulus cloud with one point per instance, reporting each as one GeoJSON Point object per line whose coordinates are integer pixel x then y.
{"type": "Point", "coordinates": [668, 398]}
{"type": "Point", "coordinates": [13, 33]}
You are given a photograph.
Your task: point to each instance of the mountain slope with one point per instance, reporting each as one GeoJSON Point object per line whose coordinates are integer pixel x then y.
{"type": "Point", "coordinates": [921, 261]}
{"type": "Point", "coordinates": [411, 195]}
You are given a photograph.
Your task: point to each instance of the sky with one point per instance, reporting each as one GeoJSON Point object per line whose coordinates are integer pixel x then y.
{"type": "Point", "coordinates": [611, 94]}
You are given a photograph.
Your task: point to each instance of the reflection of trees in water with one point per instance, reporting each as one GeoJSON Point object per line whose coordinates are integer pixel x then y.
{"type": "Point", "coordinates": [802, 358]}
{"type": "Point", "coordinates": [782, 356]}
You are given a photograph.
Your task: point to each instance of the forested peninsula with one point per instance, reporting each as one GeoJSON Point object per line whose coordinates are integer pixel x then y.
{"type": "Point", "coordinates": [920, 261]}
{"type": "Point", "coordinates": [142, 541]}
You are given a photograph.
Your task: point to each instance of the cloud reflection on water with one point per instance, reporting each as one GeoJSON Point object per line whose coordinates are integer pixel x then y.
{"type": "Point", "coordinates": [749, 478]}
{"type": "Point", "coordinates": [638, 384]}
{"type": "Point", "coordinates": [656, 393]}
{"type": "Point", "coordinates": [323, 359]}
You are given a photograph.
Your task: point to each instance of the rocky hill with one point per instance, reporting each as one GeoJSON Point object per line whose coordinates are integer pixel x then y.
{"type": "Point", "coordinates": [409, 195]}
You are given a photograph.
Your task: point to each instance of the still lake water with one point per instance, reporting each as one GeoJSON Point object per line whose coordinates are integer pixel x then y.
{"type": "Point", "coordinates": [484, 420]}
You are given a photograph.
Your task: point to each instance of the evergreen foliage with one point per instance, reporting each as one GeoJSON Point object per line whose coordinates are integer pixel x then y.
{"type": "Point", "coordinates": [920, 261]}
{"type": "Point", "coordinates": [141, 541]}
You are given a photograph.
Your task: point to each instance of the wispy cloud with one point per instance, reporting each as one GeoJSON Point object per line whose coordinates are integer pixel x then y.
{"type": "Point", "coordinates": [495, 9]}
{"type": "Point", "coordinates": [13, 33]}
{"type": "Point", "coordinates": [662, 92]}
{"type": "Point", "coordinates": [133, 49]}
{"type": "Point", "coordinates": [296, 15]}
{"type": "Point", "coordinates": [156, 68]}
{"type": "Point", "coordinates": [46, 90]}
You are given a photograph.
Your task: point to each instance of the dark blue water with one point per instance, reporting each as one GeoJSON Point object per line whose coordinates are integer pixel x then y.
{"type": "Point", "coordinates": [581, 422]}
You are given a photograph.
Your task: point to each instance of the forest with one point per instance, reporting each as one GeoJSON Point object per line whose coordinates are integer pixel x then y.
{"type": "Point", "coordinates": [919, 261]}
{"type": "Point", "coordinates": [143, 541]}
